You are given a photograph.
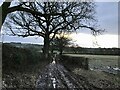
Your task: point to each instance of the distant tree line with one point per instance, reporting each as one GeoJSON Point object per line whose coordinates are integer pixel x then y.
{"type": "Point", "coordinates": [56, 45]}
{"type": "Point", "coordinates": [94, 51]}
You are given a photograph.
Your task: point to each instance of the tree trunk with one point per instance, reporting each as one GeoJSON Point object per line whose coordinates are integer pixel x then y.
{"type": "Point", "coordinates": [46, 46]}
{"type": "Point", "coordinates": [3, 12]}
{"type": "Point", "coordinates": [61, 50]}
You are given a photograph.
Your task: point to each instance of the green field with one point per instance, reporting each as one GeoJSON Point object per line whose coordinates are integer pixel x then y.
{"type": "Point", "coordinates": [106, 63]}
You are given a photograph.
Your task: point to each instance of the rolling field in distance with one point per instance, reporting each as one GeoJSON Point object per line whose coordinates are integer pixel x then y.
{"type": "Point", "coordinates": [103, 71]}
{"type": "Point", "coordinates": [106, 63]}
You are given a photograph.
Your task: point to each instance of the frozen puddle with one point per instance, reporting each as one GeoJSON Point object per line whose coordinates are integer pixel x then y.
{"type": "Point", "coordinates": [109, 69]}
{"type": "Point", "coordinates": [116, 68]}
{"type": "Point", "coordinates": [53, 82]}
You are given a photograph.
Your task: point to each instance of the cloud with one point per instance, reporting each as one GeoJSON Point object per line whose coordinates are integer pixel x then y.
{"type": "Point", "coordinates": [87, 40]}
{"type": "Point", "coordinates": [32, 39]}
{"type": "Point", "coordinates": [106, 0]}
{"type": "Point", "coordinates": [107, 15]}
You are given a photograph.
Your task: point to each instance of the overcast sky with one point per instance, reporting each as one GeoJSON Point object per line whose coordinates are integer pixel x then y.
{"type": "Point", "coordinates": [107, 15]}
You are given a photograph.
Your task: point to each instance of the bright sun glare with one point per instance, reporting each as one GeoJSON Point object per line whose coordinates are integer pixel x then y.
{"type": "Point", "coordinates": [87, 40]}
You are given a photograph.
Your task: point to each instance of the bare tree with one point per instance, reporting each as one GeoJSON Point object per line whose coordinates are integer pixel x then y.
{"type": "Point", "coordinates": [60, 42]}
{"type": "Point", "coordinates": [5, 9]}
{"type": "Point", "coordinates": [47, 19]}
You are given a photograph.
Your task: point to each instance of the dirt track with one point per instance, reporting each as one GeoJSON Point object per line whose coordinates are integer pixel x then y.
{"type": "Point", "coordinates": [56, 76]}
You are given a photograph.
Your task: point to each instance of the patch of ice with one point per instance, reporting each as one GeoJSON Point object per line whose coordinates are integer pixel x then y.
{"type": "Point", "coordinates": [108, 67]}
{"type": "Point", "coordinates": [116, 68]}
{"type": "Point", "coordinates": [91, 68]}
{"type": "Point", "coordinates": [53, 62]}
{"type": "Point", "coordinates": [54, 82]}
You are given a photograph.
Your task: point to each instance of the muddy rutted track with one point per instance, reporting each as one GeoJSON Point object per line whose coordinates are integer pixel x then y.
{"type": "Point", "coordinates": [56, 76]}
